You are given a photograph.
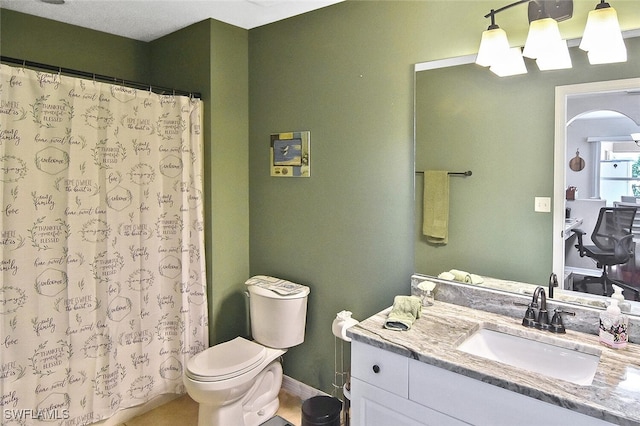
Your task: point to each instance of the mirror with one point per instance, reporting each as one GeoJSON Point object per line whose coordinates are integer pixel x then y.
{"type": "Point", "coordinates": [502, 129]}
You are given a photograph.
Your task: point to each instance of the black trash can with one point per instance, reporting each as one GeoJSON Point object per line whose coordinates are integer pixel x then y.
{"type": "Point", "coordinates": [321, 411]}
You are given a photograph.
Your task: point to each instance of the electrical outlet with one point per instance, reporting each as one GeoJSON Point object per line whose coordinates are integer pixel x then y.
{"type": "Point", "coordinates": [542, 204]}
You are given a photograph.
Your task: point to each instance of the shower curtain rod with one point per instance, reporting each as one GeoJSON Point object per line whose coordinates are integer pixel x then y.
{"type": "Point", "coordinates": [102, 78]}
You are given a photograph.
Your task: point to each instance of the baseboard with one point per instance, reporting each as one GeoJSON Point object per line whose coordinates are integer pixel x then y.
{"type": "Point", "coordinates": [299, 389]}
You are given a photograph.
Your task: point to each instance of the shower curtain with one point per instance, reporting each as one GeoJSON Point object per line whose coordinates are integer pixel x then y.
{"type": "Point", "coordinates": [102, 298]}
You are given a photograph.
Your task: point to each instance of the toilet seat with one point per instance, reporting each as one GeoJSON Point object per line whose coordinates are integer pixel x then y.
{"type": "Point", "coordinates": [226, 360]}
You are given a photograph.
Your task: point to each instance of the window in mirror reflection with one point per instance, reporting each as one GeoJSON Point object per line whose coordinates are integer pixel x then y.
{"type": "Point", "coordinates": [619, 172]}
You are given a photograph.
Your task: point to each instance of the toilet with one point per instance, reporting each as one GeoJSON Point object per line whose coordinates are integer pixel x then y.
{"type": "Point", "coordinates": [237, 382]}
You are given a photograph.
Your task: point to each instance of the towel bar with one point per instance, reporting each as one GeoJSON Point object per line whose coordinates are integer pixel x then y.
{"type": "Point", "coordinates": [467, 173]}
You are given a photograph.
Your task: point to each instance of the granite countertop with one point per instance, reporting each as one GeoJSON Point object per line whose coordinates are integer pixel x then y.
{"type": "Point", "coordinates": [614, 394]}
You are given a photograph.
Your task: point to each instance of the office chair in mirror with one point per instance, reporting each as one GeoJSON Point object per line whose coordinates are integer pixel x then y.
{"type": "Point", "coordinates": [613, 246]}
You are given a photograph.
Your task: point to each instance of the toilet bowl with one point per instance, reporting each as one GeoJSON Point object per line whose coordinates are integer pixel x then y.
{"type": "Point", "coordinates": [236, 383]}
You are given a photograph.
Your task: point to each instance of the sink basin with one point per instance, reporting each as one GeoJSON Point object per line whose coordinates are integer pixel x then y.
{"type": "Point", "coordinates": [555, 358]}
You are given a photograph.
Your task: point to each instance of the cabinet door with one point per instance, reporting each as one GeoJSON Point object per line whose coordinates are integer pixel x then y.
{"type": "Point", "coordinates": [380, 368]}
{"type": "Point", "coordinates": [372, 406]}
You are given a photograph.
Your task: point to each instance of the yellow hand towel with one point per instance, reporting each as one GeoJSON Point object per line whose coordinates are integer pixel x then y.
{"type": "Point", "coordinates": [462, 276]}
{"type": "Point", "coordinates": [435, 225]}
{"type": "Point", "coordinates": [405, 310]}
{"type": "Point", "coordinates": [476, 279]}
{"type": "Point", "coordinates": [446, 276]}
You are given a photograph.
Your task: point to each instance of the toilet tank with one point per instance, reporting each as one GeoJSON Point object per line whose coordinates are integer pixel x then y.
{"type": "Point", "coordinates": [277, 321]}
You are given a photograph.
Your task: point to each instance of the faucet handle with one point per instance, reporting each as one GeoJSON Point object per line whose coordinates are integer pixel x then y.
{"type": "Point", "coordinates": [543, 320]}
{"type": "Point", "coordinates": [529, 319]}
{"type": "Point", "coordinates": [557, 325]}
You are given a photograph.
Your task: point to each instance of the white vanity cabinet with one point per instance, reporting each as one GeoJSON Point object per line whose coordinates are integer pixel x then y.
{"type": "Point", "coordinates": [388, 389]}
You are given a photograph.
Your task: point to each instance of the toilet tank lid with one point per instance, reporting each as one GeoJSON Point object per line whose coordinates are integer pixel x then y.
{"type": "Point", "coordinates": [276, 288]}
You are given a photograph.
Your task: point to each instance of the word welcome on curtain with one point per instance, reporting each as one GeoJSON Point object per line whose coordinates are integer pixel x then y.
{"type": "Point", "coordinates": [102, 298]}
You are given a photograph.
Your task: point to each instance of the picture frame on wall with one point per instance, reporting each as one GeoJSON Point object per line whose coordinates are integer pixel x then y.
{"type": "Point", "coordinates": [289, 154]}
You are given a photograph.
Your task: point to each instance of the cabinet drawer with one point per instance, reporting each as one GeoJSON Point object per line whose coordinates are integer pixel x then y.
{"type": "Point", "coordinates": [483, 404]}
{"type": "Point", "coordinates": [380, 368]}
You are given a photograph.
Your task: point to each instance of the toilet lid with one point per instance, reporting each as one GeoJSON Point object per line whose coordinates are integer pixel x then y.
{"type": "Point", "coordinates": [226, 360]}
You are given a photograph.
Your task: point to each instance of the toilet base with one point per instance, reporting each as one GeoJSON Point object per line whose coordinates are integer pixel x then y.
{"type": "Point", "coordinates": [267, 412]}
{"type": "Point", "coordinates": [258, 405]}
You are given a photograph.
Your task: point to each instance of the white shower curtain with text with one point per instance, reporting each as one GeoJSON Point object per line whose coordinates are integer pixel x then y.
{"type": "Point", "coordinates": [103, 295]}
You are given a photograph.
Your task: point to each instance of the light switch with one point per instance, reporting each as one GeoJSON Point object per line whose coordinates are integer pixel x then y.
{"type": "Point", "coordinates": [543, 204]}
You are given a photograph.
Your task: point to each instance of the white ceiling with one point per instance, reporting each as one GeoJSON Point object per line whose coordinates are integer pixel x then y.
{"type": "Point", "coordinates": [148, 20]}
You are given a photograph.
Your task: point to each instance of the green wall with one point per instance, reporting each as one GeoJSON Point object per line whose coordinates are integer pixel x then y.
{"type": "Point", "coordinates": [346, 231]}
{"type": "Point", "coordinates": [213, 56]}
{"type": "Point", "coordinates": [50, 42]}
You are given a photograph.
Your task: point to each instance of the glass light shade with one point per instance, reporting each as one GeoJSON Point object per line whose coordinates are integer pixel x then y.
{"type": "Point", "coordinates": [510, 64]}
{"type": "Point", "coordinates": [555, 58]}
{"type": "Point", "coordinates": [493, 46]}
{"type": "Point", "coordinates": [543, 33]}
{"type": "Point", "coordinates": [604, 56]}
{"type": "Point", "coordinates": [602, 37]}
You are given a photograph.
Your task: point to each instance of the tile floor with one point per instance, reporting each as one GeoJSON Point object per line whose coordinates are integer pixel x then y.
{"type": "Point", "coordinates": [183, 411]}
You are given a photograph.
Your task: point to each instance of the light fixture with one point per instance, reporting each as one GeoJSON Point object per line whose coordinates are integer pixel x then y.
{"type": "Point", "coordinates": [556, 58]}
{"type": "Point", "coordinates": [636, 138]}
{"type": "Point", "coordinates": [494, 44]}
{"type": "Point", "coordinates": [602, 39]}
{"type": "Point", "coordinates": [510, 63]}
{"type": "Point", "coordinates": [545, 44]}
{"type": "Point", "coordinates": [542, 34]}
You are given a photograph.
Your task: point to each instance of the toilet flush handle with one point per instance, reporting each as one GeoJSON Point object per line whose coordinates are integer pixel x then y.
{"type": "Point", "coordinates": [248, 308]}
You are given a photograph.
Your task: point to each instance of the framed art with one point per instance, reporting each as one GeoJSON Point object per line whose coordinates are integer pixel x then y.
{"type": "Point", "coordinates": [289, 154]}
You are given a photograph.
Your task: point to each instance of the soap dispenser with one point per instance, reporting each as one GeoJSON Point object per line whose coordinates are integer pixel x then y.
{"type": "Point", "coordinates": [613, 327]}
{"type": "Point", "coordinates": [623, 304]}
